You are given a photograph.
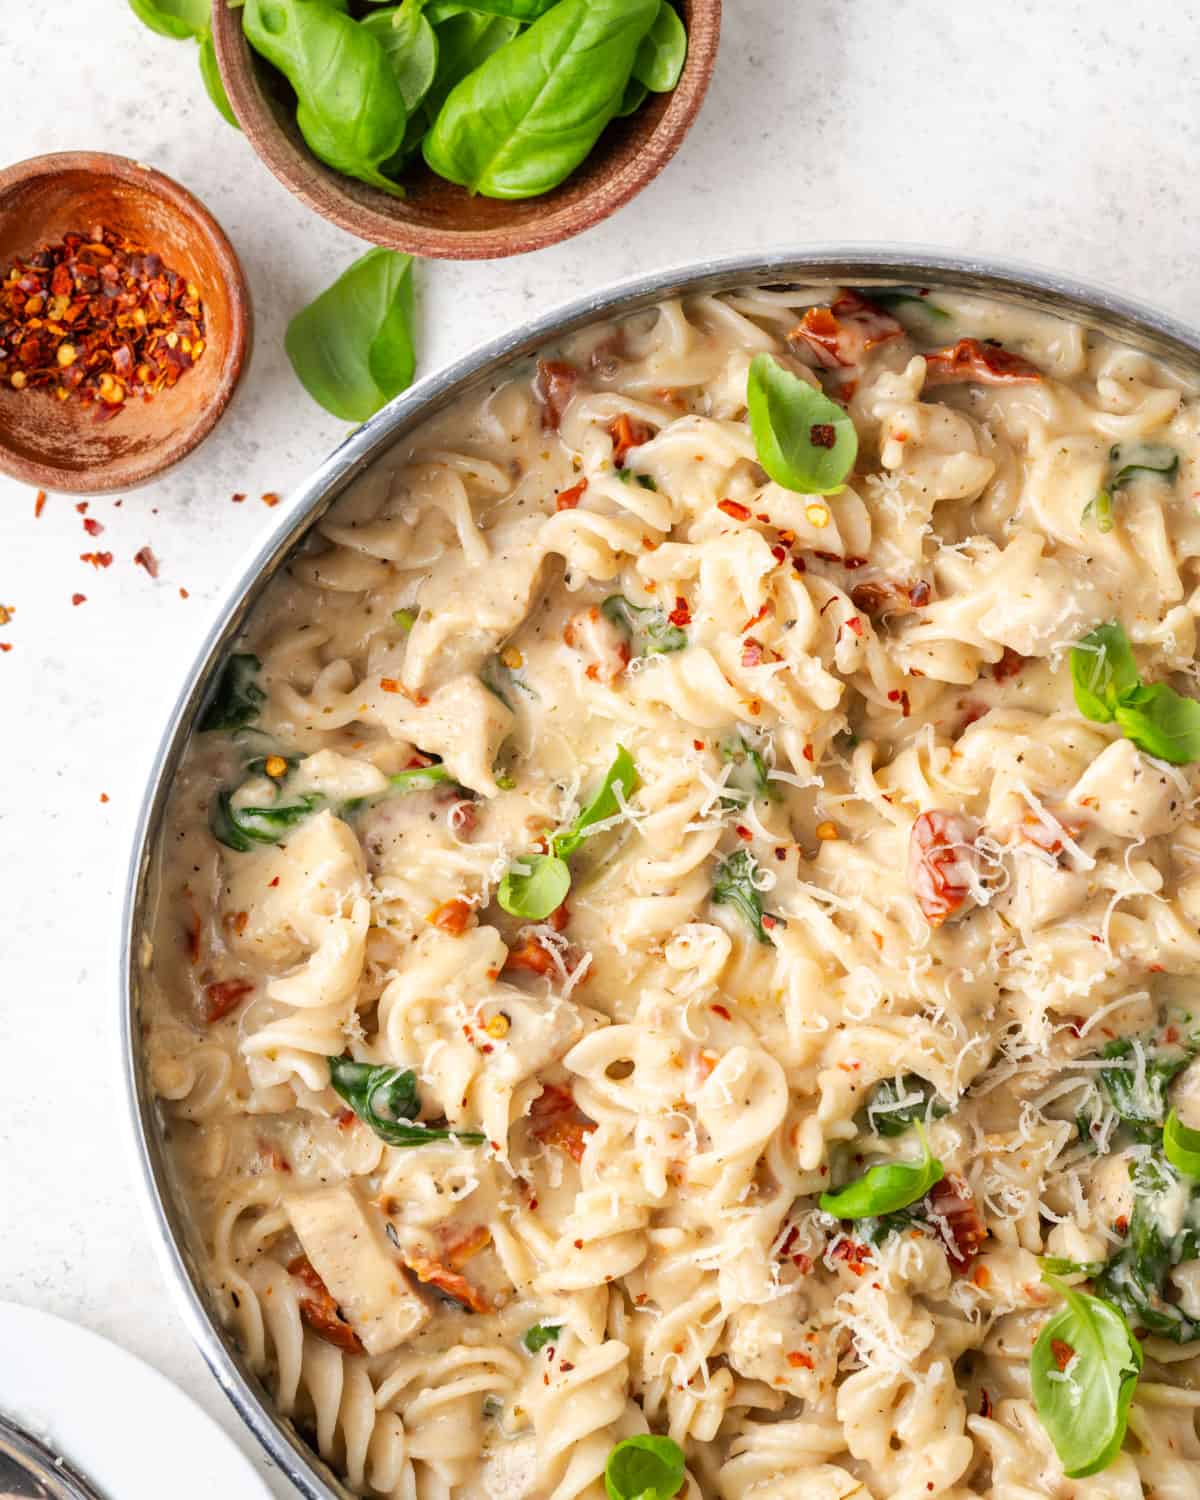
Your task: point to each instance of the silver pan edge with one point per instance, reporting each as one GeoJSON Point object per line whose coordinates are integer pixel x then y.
{"type": "Point", "coordinates": [1136, 324]}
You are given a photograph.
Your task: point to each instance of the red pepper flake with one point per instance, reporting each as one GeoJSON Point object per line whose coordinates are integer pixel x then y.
{"type": "Point", "coordinates": [1063, 1353]}
{"type": "Point", "coordinates": [453, 916]}
{"type": "Point", "coordinates": [5, 645]}
{"type": "Point", "coordinates": [569, 499]}
{"type": "Point", "coordinates": [733, 508]}
{"type": "Point", "coordinates": [97, 559]}
{"type": "Point", "coordinates": [97, 318]}
{"type": "Point", "coordinates": [807, 752]}
{"type": "Point", "coordinates": [270, 499]}
{"type": "Point", "coordinates": [237, 499]}
{"type": "Point", "coordinates": [104, 796]}
{"type": "Point", "coordinates": [78, 598]}
{"type": "Point", "coordinates": [855, 626]}
{"type": "Point", "coordinates": [183, 593]}
{"type": "Point", "coordinates": [822, 434]}
{"type": "Point", "coordinates": [697, 744]}
{"type": "Point", "coordinates": [82, 507]}
{"type": "Point", "coordinates": [6, 613]}
{"type": "Point", "coordinates": [627, 434]}
{"type": "Point", "coordinates": [743, 832]}
{"type": "Point", "coordinates": [274, 882]}
{"type": "Point", "coordinates": [901, 697]}
{"type": "Point", "coordinates": [92, 526]}
{"type": "Point", "coordinates": [985, 1403]}
{"type": "Point", "coordinates": [146, 559]}
{"type": "Point", "coordinates": [681, 615]}
{"type": "Point", "coordinates": [799, 1361]}
{"type": "Point", "coordinates": [39, 503]}
{"type": "Point", "coordinates": [390, 685]}
{"type": "Point", "coordinates": [756, 619]}
{"type": "Point", "coordinates": [722, 1011]}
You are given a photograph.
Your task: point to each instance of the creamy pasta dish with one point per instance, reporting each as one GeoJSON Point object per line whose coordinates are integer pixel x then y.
{"type": "Point", "coordinates": [675, 941]}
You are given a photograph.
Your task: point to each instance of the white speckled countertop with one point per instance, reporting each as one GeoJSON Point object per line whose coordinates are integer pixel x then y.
{"type": "Point", "coordinates": [1065, 134]}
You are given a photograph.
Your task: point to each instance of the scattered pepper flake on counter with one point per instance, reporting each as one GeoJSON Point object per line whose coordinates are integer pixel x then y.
{"type": "Point", "coordinates": [183, 593]}
{"type": "Point", "coordinates": [97, 559]}
{"type": "Point", "coordinates": [91, 526]}
{"type": "Point", "coordinates": [146, 559]}
{"type": "Point", "coordinates": [39, 504]}
{"type": "Point", "coordinates": [99, 318]}
{"type": "Point", "coordinates": [237, 499]}
{"type": "Point", "coordinates": [270, 498]}
{"type": "Point", "coordinates": [6, 613]}
{"type": "Point", "coordinates": [78, 598]}
{"type": "Point", "coordinates": [104, 796]}
{"type": "Point", "coordinates": [5, 645]}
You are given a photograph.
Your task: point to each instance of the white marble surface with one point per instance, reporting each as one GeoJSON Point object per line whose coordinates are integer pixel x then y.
{"type": "Point", "coordinates": [1064, 133]}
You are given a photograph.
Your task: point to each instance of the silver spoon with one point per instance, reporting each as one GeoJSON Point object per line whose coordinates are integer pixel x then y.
{"type": "Point", "coordinates": [31, 1471]}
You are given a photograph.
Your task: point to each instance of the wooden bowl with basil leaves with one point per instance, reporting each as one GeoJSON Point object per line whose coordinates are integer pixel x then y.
{"type": "Point", "coordinates": [465, 129]}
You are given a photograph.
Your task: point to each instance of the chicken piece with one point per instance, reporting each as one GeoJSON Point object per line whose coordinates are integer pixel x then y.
{"type": "Point", "coordinates": [357, 1267]}
{"type": "Point", "coordinates": [462, 722]}
{"type": "Point", "coordinates": [1128, 794]}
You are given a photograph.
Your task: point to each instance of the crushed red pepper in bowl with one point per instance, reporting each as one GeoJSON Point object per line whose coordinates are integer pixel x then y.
{"type": "Point", "coordinates": [98, 318]}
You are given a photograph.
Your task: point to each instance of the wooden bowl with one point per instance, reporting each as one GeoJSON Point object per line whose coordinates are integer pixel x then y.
{"type": "Point", "coordinates": [438, 218]}
{"type": "Point", "coordinates": [59, 445]}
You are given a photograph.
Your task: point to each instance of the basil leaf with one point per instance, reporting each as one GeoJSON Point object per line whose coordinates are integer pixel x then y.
{"type": "Point", "coordinates": [649, 630]}
{"type": "Point", "coordinates": [178, 19]}
{"type": "Point", "coordinates": [237, 698]}
{"type": "Point", "coordinates": [214, 85]}
{"type": "Point", "coordinates": [897, 1104]}
{"type": "Point", "coordinates": [534, 886]}
{"type": "Point", "coordinates": [411, 45]}
{"type": "Point", "coordinates": [1100, 509]}
{"type": "Point", "coordinates": [516, 10]}
{"type": "Point", "coordinates": [632, 99]}
{"type": "Point", "coordinates": [748, 779]}
{"type": "Point", "coordinates": [1142, 460]}
{"type": "Point", "coordinates": [1057, 1265]}
{"type": "Point", "coordinates": [386, 1099]}
{"type": "Point", "coordinates": [605, 804]}
{"type": "Point", "coordinates": [1181, 1146]}
{"type": "Point", "coordinates": [883, 1189]}
{"type": "Point", "coordinates": [1083, 1372]}
{"type": "Point", "coordinates": [900, 296]}
{"type": "Point", "coordinates": [350, 108]}
{"type": "Point", "coordinates": [733, 885]}
{"type": "Point", "coordinates": [1161, 722]}
{"type": "Point", "coordinates": [663, 51]}
{"type": "Point", "coordinates": [804, 441]}
{"type": "Point", "coordinates": [644, 1468]}
{"type": "Point", "coordinates": [528, 116]}
{"type": "Point", "coordinates": [419, 778]}
{"type": "Point", "coordinates": [352, 348]}
{"type": "Point", "coordinates": [541, 1334]}
{"type": "Point", "coordinates": [465, 41]}
{"type": "Point", "coordinates": [1103, 669]}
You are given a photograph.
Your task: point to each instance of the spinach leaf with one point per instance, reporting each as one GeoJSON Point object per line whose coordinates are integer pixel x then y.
{"type": "Point", "coordinates": [663, 51]}
{"type": "Point", "coordinates": [352, 348]}
{"type": "Point", "coordinates": [504, 681]}
{"type": "Point", "coordinates": [350, 107]}
{"type": "Point", "coordinates": [898, 1103]}
{"type": "Point", "coordinates": [541, 1334]}
{"type": "Point", "coordinates": [901, 296]}
{"type": "Point", "coordinates": [410, 42]}
{"type": "Point", "coordinates": [526, 118]}
{"type": "Point", "coordinates": [240, 828]}
{"type": "Point", "coordinates": [1181, 1146]}
{"type": "Point", "coordinates": [886, 1188]}
{"type": "Point", "coordinates": [748, 779]}
{"type": "Point", "coordinates": [1099, 509]}
{"type": "Point", "coordinates": [1134, 1279]}
{"type": "Point", "coordinates": [386, 1099]}
{"type": "Point", "coordinates": [1083, 1371]}
{"type": "Point", "coordinates": [1142, 460]}
{"type": "Point", "coordinates": [1108, 687]}
{"type": "Point", "coordinates": [1137, 1090]}
{"type": "Point", "coordinates": [178, 19]}
{"type": "Point", "coordinates": [237, 698]}
{"type": "Point", "coordinates": [537, 884]}
{"type": "Point", "coordinates": [644, 1468]}
{"type": "Point", "coordinates": [733, 885]}
{"type": "Point", "coordinates": [214, 86]}
{"type": "Point", "coordinates": [805, 441]}
{"type": "Point", "coordinates": [649, 630]}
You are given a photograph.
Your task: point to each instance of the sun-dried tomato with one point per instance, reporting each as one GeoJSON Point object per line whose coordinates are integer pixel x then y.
{"type": "Point", "coordinates": [955, 1213]}
{"type": "Point", "coordinates": [841, 334]}
{"type": "Point", "coordinates": [626, 435]}
{"type": "Point", "coordinates": [569, 499]}
{"type": "Point", "coordinates": [554, 386]}
{"type": "Point", "coordinates": [980, 361]}
{"type": "Point", "coordinates": [555, 1120]}
{"type": "Point", "coordinates": [320, 1311]}
{"type": "Point", "coordinates": [884, 596]}
{"type": "Point", "coordinates": [223, 996]}
{"type": "Point", "coordinates": [433, 1273]}
{"type": "Point", "coordinates": [941, 857]}
{"type": "Point", "coordinates": [453, 916]}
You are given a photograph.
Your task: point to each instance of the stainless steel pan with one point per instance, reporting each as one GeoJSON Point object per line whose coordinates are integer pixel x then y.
{"type": "Point", "coordinates": [1137, 325]}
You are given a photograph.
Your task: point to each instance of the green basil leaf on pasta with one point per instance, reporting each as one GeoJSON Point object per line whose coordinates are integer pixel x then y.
{"type": "Point", "coordinates": [618, 786]}
{"type": "Point", "coordinates": [1103, 669]}
{"type": "Point", "coordinates": [733, 885]}
{"type": "Point", "coordinates": [805, 441]}
{"type": "Point", "coordinates": [747, 779]}
{"type": "Point", "coordinates": [903, 296]}
{"type": "Point", "coordinates": [352, 348]}
{"type": "Point", "coordinates": [237, 697]}
{"type": "Point", "coordinates": [1161, 722]}
{"type": "Point", "coordinates": [1181, 1146]}
{"type": "Point", "coordinates": [644, 1468]}
{"type": "Point", "coordinates": [534, 886]}
{"type": "Point", "coordinates": [663, 51]}
{"type": "Point", "coordinates": [386, 1099]}
{"type": "Point", "coordinates": [1083, 1372]}
{"type": "Point", "coordinates": [883, 1189]}
{"type": "Point", "coordinates": [896, 1104]}
{"type": "Point", "coordinates": [1130, 461]}
{"type": "Point", "coordinates": [1099, 512]}
{"type": "Point", "coordinates": [541, 1334]}
{"type": "Point", "coordinates": [649, 630]}
{"type": "Point", "coordinates": [241, 827]}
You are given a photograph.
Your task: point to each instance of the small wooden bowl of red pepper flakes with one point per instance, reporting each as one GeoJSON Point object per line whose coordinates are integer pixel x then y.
{"type": "Point", "coordinates": [152, 329]}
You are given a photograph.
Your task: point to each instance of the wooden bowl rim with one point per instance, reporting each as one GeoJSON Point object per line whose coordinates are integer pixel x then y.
{"type": "Point", "coordinates": [135, 469]}
{"type": "Point", "coordinates": [388, 227]}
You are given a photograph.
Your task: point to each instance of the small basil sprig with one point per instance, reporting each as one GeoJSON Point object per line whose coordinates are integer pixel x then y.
{"type": "Point", "coordinates": [1108, 687]}
{"type": "Point", "coordinates": [529, 115]}
{"type": "Point", "coordinates": [1181, 1146]}
{"type": "Point", "coordinates": [386, 1099]}
{"type": "Point", "coordinates": [733, 885]}
{"type": "Point", "coordinates": [352, 347]}
{"type": "Point", "coordinates": [536, 1338]}
{"type": "Point", "coordinates": [644, 1468]}
{"type": "Point", "coordinates": [748, 777]}
{"type": "Point", "coordinates": [883, 1189]}
{"type": "Point", "coordinates": [662, 53]}
{"type": "Point", "coordinates": [1083, 1372]}
{"type": "Point", "coordinates": [901, 296]}
{"type": "Point", "coordinates": [887, 1116]}
{"type": "Point", "coordinates": [537, 884]}
{"type": "Point", "coordinates": [804, 440]}
{"type": "Point", "coordinates": [237, 698]}
{"type": "Point", "coordinates": [649, 630]}
{"type": "Point", "coordinates": [1132, 461]}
